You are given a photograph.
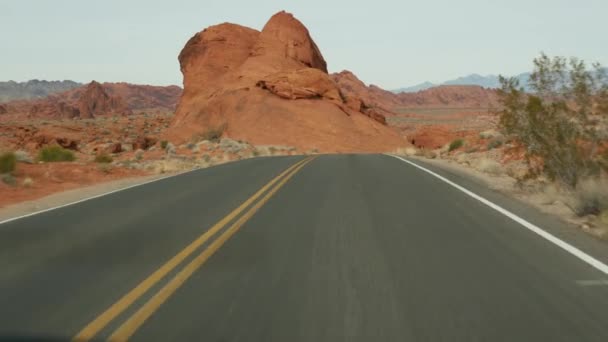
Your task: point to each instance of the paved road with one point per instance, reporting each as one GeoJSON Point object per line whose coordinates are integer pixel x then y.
{"type": "Point", "coordinates": [337, 248]}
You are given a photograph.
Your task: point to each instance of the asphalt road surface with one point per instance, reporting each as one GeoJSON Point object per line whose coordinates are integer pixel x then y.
{"type": "Point", "coordinates": [333, 248]}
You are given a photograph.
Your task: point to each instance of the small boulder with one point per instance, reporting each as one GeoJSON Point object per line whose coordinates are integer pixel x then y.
{"type": "Point", "coordinates": [24, 157]}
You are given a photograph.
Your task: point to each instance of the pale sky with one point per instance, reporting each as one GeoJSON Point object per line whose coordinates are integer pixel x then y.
{"type": "Point", "coordinates": [387, 43]}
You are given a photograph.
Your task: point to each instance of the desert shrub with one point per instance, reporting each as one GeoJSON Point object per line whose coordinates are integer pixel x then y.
{"type": "Point", "coordinates": [105, 168]}
{"type": "Point", "coordinates": [456, 144]}
{"type": "Point", "coordinates": [553, 122]}
{"type": "Point", "coordinates": [55, 154]}
{"type": "Point", "coordinates": [103, 158]}
{"type": "Point", "coordinates": [163, 144]}
{"type": "Point", "coordinates": [590, 197]}
{"type": "Point", "coordinates": [8, 162]}
{"type": "Point", "coordinates": [494, 143]}
{"type": "Point", "coordinates": [213, 134]}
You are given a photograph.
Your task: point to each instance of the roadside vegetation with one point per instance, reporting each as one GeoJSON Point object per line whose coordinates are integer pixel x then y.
{"type": "Point", "coordinates": [8, 162]}
{"type": "Point", "coordinates": [456, 144]}
{"type": "Point", "coordinates": [562, 126]}
{"type": "Point", "coordinates": [103, 158]}
{"type": "Point", "coordinates": [213, 134]}
{"type": "Point", "coordinates": [55, 154]}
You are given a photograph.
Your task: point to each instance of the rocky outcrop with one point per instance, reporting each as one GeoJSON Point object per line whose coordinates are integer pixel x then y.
{"type": "Point", "coordinates": [95, 101]}
{"type": "Point", "coordinates": [286, 39]}
{"type": "Point", "coordinates": [301, 84]}
{"type": "Point", "coordinates": [271, 88]}
{"type": "Point", "coordinates": [354, 90]}
{"type": "Point", "coordinates": [458, 96]}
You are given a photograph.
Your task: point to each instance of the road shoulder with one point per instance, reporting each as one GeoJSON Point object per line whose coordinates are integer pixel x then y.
{"type": "Point", "coordinates": [502, 191]}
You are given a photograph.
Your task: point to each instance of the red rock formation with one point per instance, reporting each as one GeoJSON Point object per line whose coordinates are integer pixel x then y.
{"type": "Point", "coordinates": [372, 96]}
{"type": "Point", "coordinates": [95, 101]}
{"type": "Point", "coordinates": [301, 84]}
{"type": "Point", "coordinates": [270, 87]}
{"type": "Point", "coordinates": [451, 96]}
{"type": "Point", "coordinates": [98, 99]}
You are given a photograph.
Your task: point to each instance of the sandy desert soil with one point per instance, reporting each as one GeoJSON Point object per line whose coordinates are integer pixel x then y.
{"type": "Point", "coordinates": [29, 202]}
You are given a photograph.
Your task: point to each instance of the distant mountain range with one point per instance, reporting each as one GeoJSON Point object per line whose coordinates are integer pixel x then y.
{"type": "Point", "coordinates": [489, 81]}
{"type": "Point", "coordinates": [33, 89]}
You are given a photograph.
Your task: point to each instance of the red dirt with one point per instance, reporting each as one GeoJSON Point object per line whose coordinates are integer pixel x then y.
{"type": "Point", "coordinates": [50, 178]}
{"type": "Point", "coordinates": [270, 88]}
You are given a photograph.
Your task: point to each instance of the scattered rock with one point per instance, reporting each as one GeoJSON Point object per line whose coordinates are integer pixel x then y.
{"type": "Point", "coordinates": [9, 179]}
{"type": "Point", "coordinates": [170, 149]}
{"type": "Point", "coordinates": [144, 143]}
{"type": "Point", "coordinates": [126, 147]}
{"type": "Point", "coordinates": [488, 166]}
{"type": "Point", "coordinates": [24, 157]}
{"type": "Point", "coordinates": [232, 146]}
{"type": "Point", "coordinates": [139, 155]}
{"type": "Point", "coordinates": [115, 148]}
{"type": "Point", "coordinates": [28, 182]}
{"type": "Point", "coordinates": [490, 134]}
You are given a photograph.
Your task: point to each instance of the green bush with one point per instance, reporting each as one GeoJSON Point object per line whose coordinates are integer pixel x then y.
{"type": "Point", "coordinates": [456, 144]}
{"type": "Point", "coordinates": [55, 154]}
{"type": "Point", "coordinates": [554, 122]}
{"type": "Point", "coordinates": [103, 158]}
{"type": "Point", "coordinates": [163, 144]}
{"type": "Point", "coordinates": [8, 162]}
{"type": "Point", "coordinates": [494, 144]}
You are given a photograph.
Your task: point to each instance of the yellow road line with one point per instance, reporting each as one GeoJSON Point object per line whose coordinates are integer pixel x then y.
{"type": "Point", "coordinates": [128, 328]}
{"type": "Point", "coordinates": [89, 331]}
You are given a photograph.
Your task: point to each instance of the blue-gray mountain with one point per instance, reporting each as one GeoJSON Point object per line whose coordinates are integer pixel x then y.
{"type": "Point", "coordinates": [33, 89]}
{"type": "Point", "coordinates": [489, 81]}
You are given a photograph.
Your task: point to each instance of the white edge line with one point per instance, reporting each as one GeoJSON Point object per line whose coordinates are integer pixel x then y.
{"type": "Point", "coordinates": [96, 196]}
{"type": "Point", "coordinates": [551, 238]}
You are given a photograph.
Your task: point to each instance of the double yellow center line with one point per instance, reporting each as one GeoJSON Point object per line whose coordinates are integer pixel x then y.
{"type": "Point", "coordinates": [132, 323]}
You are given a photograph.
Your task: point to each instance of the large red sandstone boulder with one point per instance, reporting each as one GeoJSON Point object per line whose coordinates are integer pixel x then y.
{"type": "Point", "coordinates": [270, 87]}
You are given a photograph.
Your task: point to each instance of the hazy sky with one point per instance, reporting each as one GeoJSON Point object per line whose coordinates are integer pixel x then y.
{"type": "Point", "coordinates": [388, 43]}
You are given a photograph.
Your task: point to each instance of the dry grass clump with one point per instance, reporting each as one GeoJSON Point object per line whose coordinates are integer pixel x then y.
{"type": "Point", "coordinates": [489, 166]}
{"type": "Point", "coordinates": [590, 197]}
